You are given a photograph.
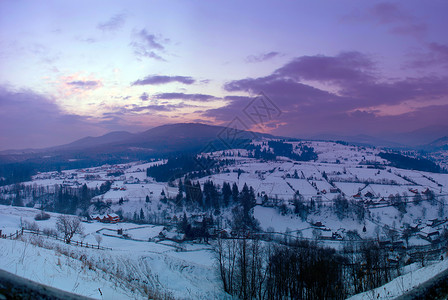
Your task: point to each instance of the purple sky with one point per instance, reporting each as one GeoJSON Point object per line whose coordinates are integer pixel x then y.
{"type": "Point", "coordinates": [78, 68]}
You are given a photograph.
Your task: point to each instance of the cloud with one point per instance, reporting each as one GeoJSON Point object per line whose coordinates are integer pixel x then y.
{"type": "Point", "coordinates": [158, 79]}
{"type": "Point", "coordinates": [113, 24]}
{"type": "Point", "coordinates": [183, 96]}
{"type": "Point", "coordinates": [86, 85]}
{"type": "Point", "coordinates": [77, 84]}
{"type": "Point", "coordinates": [153, 108]}
{"type": "Point", "coordinates": [262, 57]}
{"type": "Point", "coordinates": [28, 119]}
{"type": "Point", "coordinates": [148, 45]}
{"type": "Point", "coordinates": [388, 13]}
{"type": "Point", "coordinates": [393, 16]}
{"type": "Point", "coordinates": [440, 49]}
{"type": "Point", "coordinates": [436, 55]}
{"type": "Point", "coordinates": [345, 67]}
{"type": "Point", "coordinates": [144, 96]}
{"type": "Point", "coordinates": [400, 22]}
{"type": "Point", "coordinates": [355, 101]}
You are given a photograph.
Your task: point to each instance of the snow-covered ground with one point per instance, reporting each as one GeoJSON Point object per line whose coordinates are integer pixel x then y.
{"type": "Point", "coordinates": [189, 274]}
{"type": "Point", "coordinates": [404, 283]}
{"type": "Point", "coordinates": [340, 170]}
{"type": "Point", "coordinates": [51, 268]}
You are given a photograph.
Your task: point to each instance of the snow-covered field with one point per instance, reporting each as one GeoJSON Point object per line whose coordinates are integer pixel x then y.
{"type": "Point", "coordinates": [404, 283]}
{"type": "Point", "coordinates": [188, 270]}
{"type": "Point", "coordinates": [130, 265]}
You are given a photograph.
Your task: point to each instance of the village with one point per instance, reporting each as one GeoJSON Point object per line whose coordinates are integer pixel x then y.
{"type": "Point", "coordinates": [347, 198]}
{"type": "Point", "coordinates": [394, 200]}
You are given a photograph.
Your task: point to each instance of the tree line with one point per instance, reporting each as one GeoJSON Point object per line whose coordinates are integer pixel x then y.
{"type": "Point", "coordinates": [56, 198]}
{"type": "Point", "coordinates": [253, 269]}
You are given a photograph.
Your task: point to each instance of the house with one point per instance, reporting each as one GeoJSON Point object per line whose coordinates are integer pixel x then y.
{"type": "Point", "coordinates": [337, 236]}
{"type": "Point", "coordinates": [170, 235]}
{"type": "Point", "coordinates": [334, 190]}
{"type": "Point", "coordinates": [357, 196]}
{"type": "Point", "coordinates": [415, 191]}
{"type": "Point", "coordinates": [108, 218]}
{"type": "Point", "coordinates": [427, 191]}
{"type": "Point", "coordinates": [326, 235]}
{"type": "Point", "coordinates": [318, 224]}
{"type": "Point", "coordinates": [113, 218]}
{"type": "Point", "coordinates": [369, 195]}
{"type": "Point", "coordinates": [429, 234]}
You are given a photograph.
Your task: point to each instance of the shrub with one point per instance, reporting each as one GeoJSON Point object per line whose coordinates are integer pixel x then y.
{"type": "Point", "coordinates": [42, 216]}
{"type": "Point", "coordinates": [50, 232]}
{"type": "Point", "coordinates": [30, 226]}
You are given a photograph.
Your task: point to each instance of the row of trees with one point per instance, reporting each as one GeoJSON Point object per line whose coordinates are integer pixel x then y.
{"type": "Point", "coordinates": [280, 148]}
{"type": "Point", "coordinates": [251, 269]}
{"type": "Point", "coordinates": [57, 198]}
{"type": "Point", "coordinates": [177, 167]}
{"type": "Point", "coordinates": [212, 196]}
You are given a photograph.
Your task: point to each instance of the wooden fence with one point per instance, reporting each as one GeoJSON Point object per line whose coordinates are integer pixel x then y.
{"type": "Point", "coordinates": [19, 233]}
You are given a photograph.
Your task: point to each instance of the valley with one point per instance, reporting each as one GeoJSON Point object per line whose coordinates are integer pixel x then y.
{"type": "Point", "coordinates": [346, 197]}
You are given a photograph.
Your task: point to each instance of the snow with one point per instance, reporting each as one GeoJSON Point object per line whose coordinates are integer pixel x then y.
{"type": "Point", "coordinates": [54, 269]}
{"type": "Point", "coordinates": [187, 269]}
{"type": "Point", "coordinates": [404, 283]}
{"type": "Point", "coordinates": [187, 274]}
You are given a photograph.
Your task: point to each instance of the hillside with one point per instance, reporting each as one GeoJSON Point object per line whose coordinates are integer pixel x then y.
{"type": "Point", "coordinates": [337, 196]}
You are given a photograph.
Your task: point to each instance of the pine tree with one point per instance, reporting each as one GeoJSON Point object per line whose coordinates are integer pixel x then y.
{"type": "Point", "coordinates": [235, 192]}
{"type": "Point", "coordinates": [247, 200]}
{"type": "Point", "coordinates": [226, 193]}
{"type": "Point", "coordinates": [142, 215]}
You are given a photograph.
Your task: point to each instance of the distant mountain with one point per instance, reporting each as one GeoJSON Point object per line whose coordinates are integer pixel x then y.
{"type": "Point", "coordinates": [443, 141]}
{"type": "Point", "coordinates": [188, 137]}
{"type": "Point", "coordinates": [89, 142]}
{"type": "Point", "coordinates": [438, 144]}
{"type": "Point", "coordinates": [422, 136]}
{"type": "Point", "coordinates": [360, 139]}
{"type": "Point", "coordinates": [122, 145]}
{"type": "Point", "coordinates": [419, 138]}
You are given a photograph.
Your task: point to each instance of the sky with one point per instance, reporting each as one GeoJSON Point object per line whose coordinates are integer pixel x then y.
{"type": "Point", "coordinates": [70, 69]}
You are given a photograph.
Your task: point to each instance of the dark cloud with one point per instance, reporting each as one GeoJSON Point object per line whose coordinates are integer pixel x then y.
{"type": "Point", "coordinates": [350, 105]}
{"type": "Point", "coordinates": [440, 49]}
{"type": "Point", "coordinates": [393, 16]}
{"type": "Point", "coordinates": [397, 19]}
{"type": "Point", "coordinates": [144, 96]}
{"type": "Point", "coordinates": [158, 79]}
{"type": "Point", "coordinates": [85, 84]}
{"type": "Point", "coordinates": [183, 96]}
{"type": "Point", "coordinates": [388, 13]}
{"type": "Point", "coordinates": [345, 67]}
{"type": "Point", "coordinates": [155, 107]}
{"type": "Point", "coordinates": [435, 56]}
{"type": "Point", "coordinates": [28, 119]}
{"type": "Point", "coordinates": [238, 98]}
{"type": "Point", "coordinates": [148, 45]}
{"type": "Point", "coordinates": [262, 57]}
{"type": "Point", "coordinates": [113, 24]}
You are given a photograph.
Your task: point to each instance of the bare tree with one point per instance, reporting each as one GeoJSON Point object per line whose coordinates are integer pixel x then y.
{"type": "Point", "coordinates": [69, 226]}
{"type": "Point", "coordinates": [98, 239]}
